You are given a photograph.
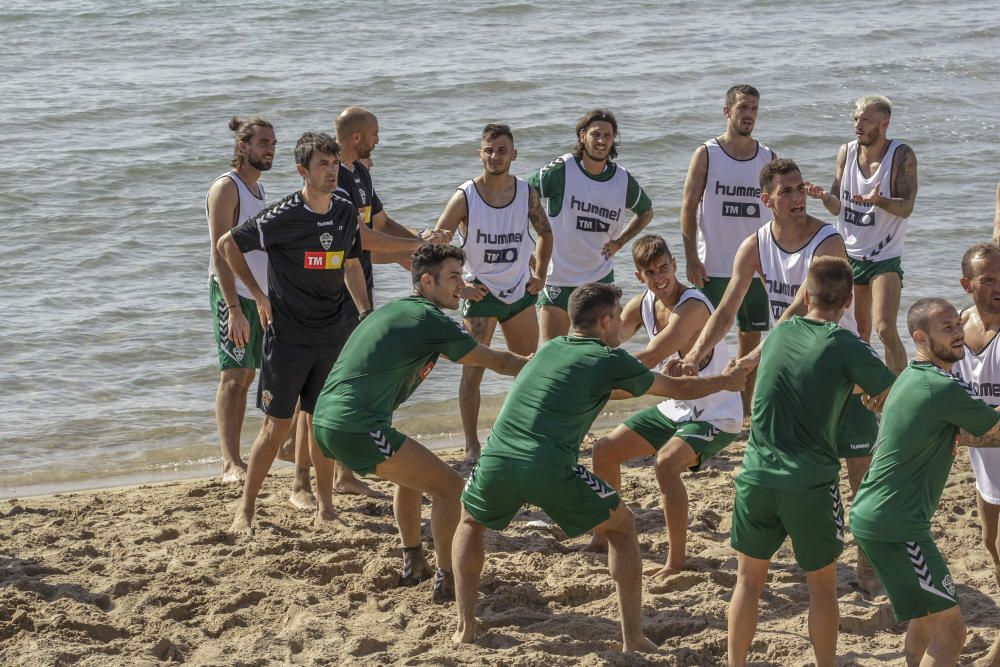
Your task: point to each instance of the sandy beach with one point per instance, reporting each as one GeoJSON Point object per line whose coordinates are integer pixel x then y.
{"type": "Point", "coordinates": [146, 575]}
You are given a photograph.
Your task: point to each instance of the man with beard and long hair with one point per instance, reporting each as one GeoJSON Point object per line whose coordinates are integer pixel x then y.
{"type": "Point", "coordinates": [721, 207]}
{"type": "Point", "coordinates": [493, 212]}
{"type": "Point", "coordinates": [872, 196]}
{"type": "Point", "coordinates": [891, 517]}
{"type": "Point", "coordinates": [234, 197]}
{"type": "Point", "coordinates": [980, 367]}
{"type": "Point", "coordinates": [587, 193]}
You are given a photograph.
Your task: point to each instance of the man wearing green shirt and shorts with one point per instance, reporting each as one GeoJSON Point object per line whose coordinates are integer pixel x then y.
{"type": "Point", "coordinates": [891, 516]}
{"type": "Point", "coordinates": [390, 353]}
{"type": "Point", "coordinates": [790, 483]}
{"type": "Point", "coordinates": [532, 454]}
{"type": "Point", "coordinates": [586, 194]}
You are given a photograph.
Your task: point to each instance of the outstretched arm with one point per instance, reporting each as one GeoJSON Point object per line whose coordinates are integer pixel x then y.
{"type": "Point", "coordinates": [989, 440]}
{"type": "Point", "coordinates": [685, 323]}
{"type": "Point", "coordinates": [734, 378]}
{"type": "Point", "coordinates": [831, 198]}
{"type": "Point", "coordinates": [499, 361]}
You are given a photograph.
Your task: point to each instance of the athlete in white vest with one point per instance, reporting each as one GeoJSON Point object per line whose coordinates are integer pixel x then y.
{"type": "Point", "coordinates": [234, 197]}
{"type": "Point", "coordinates": [494, 213]}
{"type": "Point", "coordinates": [872, 194]}
{"type": "Point", "coordinates": [682, 433]}
{"type": "Point", "coordinates": [981, 369]}
{"type": "Point", "coordinates": [721, 207]}
{"type": "Point", "coordinates": [587, 195]}
{"type": "Point", "coordinates": [781, 252]}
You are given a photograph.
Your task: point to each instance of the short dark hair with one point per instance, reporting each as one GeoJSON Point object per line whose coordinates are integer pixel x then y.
{"type": "Point", "coordinates": [244, 131]}
{"type": "Point", "coordinates": [831, 282]}
{"type": "Point", "coordinates": [740, 89]}
{"type": "Point", "coordinates": [314, 142]}
{"type": "Point", "coordinates": [594, 116]}
{"type": "Point", "coordinates": [590, 302]}
{"type": "Point", "coordinates": [494, 130]}
{"type": "Point", "coordinates": [977, 252]}
{"type": "Point", "coordinates": [429, 257]}
{"type": "Point", "coordinates": [649, 248]}
{"type": "Point", "coordinates": [918, 317]}
{"type": "Point", "coordinates": [772, 169]}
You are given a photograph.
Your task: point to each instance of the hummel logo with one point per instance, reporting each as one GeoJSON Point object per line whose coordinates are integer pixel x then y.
{"type": "Point", "coordinates": [325, 223]}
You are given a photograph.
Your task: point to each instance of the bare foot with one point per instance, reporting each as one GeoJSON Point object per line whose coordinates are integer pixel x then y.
{"type": "Point", "coordinates": [641, 644]}
{"type": "Point", "coordinates": [472, 454]}
{"type": "Point", "coordinates": [868, 581]}
{"type": "Point", "coordinates": [328, 519]}
{"type": "Point", "coordinates": [303, 499]}
{"type": "Point", "coordinates": [234, 472]}
{"type": "Point", "coordinates": [466, 634]}
{"type": "Point", "coordinates": [598, 545]}
{"type": "Point", "coordinates": [242, 524]}
{"type": "Point", "coordinates": [664, 572]}
{"type": "Point", "coordinates": [351, 485]}
{"type": "Point", "coordinates": [287, 450]}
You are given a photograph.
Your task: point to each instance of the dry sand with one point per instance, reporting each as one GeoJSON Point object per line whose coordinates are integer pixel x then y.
{"type": "Point", "coordinates": [148, 574]}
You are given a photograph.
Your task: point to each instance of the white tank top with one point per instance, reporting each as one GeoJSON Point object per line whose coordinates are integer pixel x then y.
{"type": "Point", "coordinates": [784, 271]}
{"type": "Point", "coordinates": [730, 208]}
{"type": "Point", "coordinates": [593, 213]}
{"type": "Point", "coordinates": [497, 245]}
{"type": "Point", "coordinates": [724, 410]}
{"type": "Point", "coordinates": [249, 206]}
{"type": "Point", "coordinates": [982, 372]}
{"type": "Point", "coordinates": [870, 233]}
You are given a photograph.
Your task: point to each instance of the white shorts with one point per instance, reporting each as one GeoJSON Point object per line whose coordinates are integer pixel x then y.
{"type": "Point", "coordinates": [986, 466]}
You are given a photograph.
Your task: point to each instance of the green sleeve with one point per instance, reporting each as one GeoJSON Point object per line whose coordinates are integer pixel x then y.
{"type": "Point", "coordinates": [864, 366]}
{"type": "Point", "coordinates": [448, 337]}
{"type": "Point", "coordinates": [550, 183]}
{"type": "Point", "coordinates": [636, 199]}
{"type": "Point", "coordinates": [968, 413]}
{"type": "Point", "coordinates": [629, 373]}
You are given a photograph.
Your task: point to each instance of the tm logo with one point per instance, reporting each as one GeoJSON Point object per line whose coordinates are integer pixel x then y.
{"type": "Point", "coordinates": [592, 224]}
{"type": "Point", "coordinates": [735, 209]}
{"type": "Point", "coordinates": [500, 255]}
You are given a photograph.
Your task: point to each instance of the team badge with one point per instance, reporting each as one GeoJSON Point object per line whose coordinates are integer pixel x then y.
{"type": "Point", "coordinates": [949, 585]}
{"type": "Point", "coordinates": [265, 398]}
{"type": "Point", "coordinates": [326, 240]}
{"type": "Point", "coordinates": [553, 292]}
{"type": "Point", "coordinates": [239, 353]}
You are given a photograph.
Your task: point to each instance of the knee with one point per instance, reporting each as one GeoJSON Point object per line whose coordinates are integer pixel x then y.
{"type": "Point", "coordinates": [603, 453]}
{"type": "Point", "coordinates": [992, 544]}
{"type": "Point", "coordinates": [472, 375]}
{"type": "Point", "coordinates": [886, 330]}
{"type": "Point", "coordinates": [669, 469]}
{"type": "Point", "coordinates": [620, 526]}
{"type": "Point", "coordinates": [236, 381]}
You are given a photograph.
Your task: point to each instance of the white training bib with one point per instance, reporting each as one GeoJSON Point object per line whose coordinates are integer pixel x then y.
{"type": "Point", "coordinates": [730, 208]}
{"type": "Point", "coordinates": [870, 233]}
{"type": "Point", "coordinates": [785, 271]}
{"type": "Point", "coordinates": [497, 244]}
{"type": "Point", "coordinates": [250, 205]}
{"type": "Point", "coordinates": [982, 372]}
{"type": "Point", "coordinates": [724, 409]}
{"type": "Point", "coordinates": [592, 213]}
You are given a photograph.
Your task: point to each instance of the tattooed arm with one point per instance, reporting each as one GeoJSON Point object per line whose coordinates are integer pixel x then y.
{"type": "Point", "coordinates": [543, 249]}
{"type": "Point", "coordinates": [904, 186]}
{"type": "Point", "coordinates": [991, 439]}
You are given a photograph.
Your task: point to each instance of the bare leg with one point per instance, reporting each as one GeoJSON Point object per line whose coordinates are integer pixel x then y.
{"type": "Point", "coordinates": [886, 289]}
{"type": "Point", "coordinates": [937, 639]}
{"type": "Point", "coordinates": [480, 328]}
{"type": "Point", "coordinates": [625, 566]}
{"type": "Point", "coordinates": [674, 458]}
{"type": "Point", "coordinates": [417, 468]}
{"type": "Point", "coordinates": [324, 475]}
{"type": "Point", "coordinates": [751, 575]}
{"type": "Point", "coordinates": [344, 481]}
{"type": "Point", "coordinates": [824, 616]}
{"type": "Point", "coordinates": [467, 552]}
{"type": "Point", "coordinates": [989, 517]}
{"type": "Point", "coordinates": [552, 321]}
{"type": "Point", "coordinates": [863, 311]}
{"type": "Point", "coordinates": [748, 341]}
{"type": "Point", "coordinates": [622, 444]}
{"type": "Point", "coordinates": [302, 496]}
{"type": "Point", "coordinates": [265, 447]}
{"type": "Point", "coordinates": [287, 450]}
{"type": "Point", "coordinates": [868, 581]}
{"type": "Point", "coordinates": [230, 409]}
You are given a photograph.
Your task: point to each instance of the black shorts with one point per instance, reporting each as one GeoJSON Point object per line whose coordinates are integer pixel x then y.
{"type": "Point", "coordinates": [290, 372]}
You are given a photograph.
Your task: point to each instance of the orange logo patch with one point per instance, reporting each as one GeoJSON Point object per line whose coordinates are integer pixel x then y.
{"type": "Point", "coordinates": [324, 260]}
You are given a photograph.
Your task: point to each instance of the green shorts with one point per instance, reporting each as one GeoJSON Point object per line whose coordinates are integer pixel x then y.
{"type": "Point", "coordinates": [656, 429]}
{"type": "Point", "coordinates": [813, 518]}
{"type": "Point", "coordinates": [865, 271]}
{"type": "Point", "coordinates": [558, 295]}
{"type": "Point", "coordinates": [572, 496]}
{"type": "Point", "coordinates": [858, 430]}
{"type": "Point", "coordinates": [490, 306]}
{"type": "Point", "coordinates": [231, 356]}
{"type": "Point", "coordinates": [914, 574]}
{"type": "Point", "coordinates": [360, 452]}
{"type": "Point", "coordinates": [755, 311]}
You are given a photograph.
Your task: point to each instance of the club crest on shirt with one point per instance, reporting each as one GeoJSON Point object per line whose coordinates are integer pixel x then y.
{"type": "Point", "coordinates": [326, 240]}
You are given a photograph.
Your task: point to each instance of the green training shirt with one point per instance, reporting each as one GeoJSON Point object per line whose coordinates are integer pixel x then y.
{"type": "Point", "coordinates": [913, 453]}
{"type": "Point", "coordinates": [385, 360]}
{"type": "Point", "coordinates": [807, 372]}
{"type": "Point", "coordinates": [556, 397]}
{"type": "Point", "coordinates": [550, 183]}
